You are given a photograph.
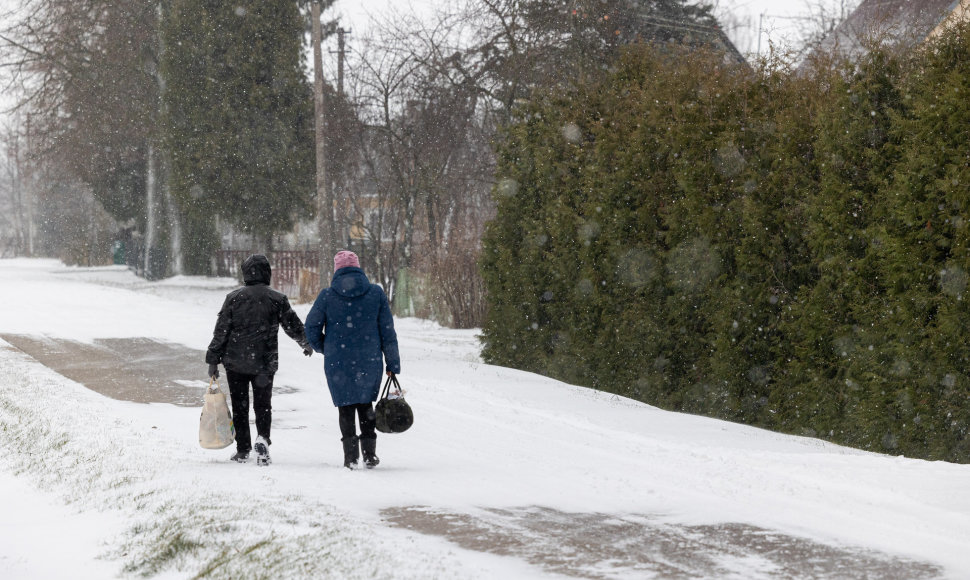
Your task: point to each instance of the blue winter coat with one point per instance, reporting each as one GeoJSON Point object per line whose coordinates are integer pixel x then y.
{"type": "Point", "coordinates": [351, 324]}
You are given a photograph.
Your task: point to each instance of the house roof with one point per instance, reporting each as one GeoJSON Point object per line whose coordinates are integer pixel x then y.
{"type": "Point", "coordinates": [697, 35]}
{"type": "Point", "coordinates": [901, 23]}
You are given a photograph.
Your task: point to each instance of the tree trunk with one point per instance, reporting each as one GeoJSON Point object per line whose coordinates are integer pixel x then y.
{"type": "Point", "coordinates": [149, 211]}
{"type": "Point", "coordinates": [325, 221]}
{"type": "Point", "coordinates": [175, 235]}
{"type": "Point", "coordinates": [20, 215]}
{"type": "Point", "coordinates": [432, 222]}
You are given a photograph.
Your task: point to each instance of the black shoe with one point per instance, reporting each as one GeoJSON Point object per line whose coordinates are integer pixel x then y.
{"type": "Point", "coordinates": [351, 452]}
{"type": "Point", "coordinates": [240, 457]}
{"type": "Point", "coordinates": [262, 452]}
{"type": "Point", "coordinates": [369, 449]}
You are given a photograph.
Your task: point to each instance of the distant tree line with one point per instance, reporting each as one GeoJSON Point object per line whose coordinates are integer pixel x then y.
{"type": "Point", "coordinates": [170, 115]}
{"type": "Point", "coordinates": [787, 250]}
{"type": "Point", "coordinates": [180, 124]}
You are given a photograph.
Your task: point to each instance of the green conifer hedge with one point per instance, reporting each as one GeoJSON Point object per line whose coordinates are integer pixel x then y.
{"type": "Point", "coordinates": [784, 250]}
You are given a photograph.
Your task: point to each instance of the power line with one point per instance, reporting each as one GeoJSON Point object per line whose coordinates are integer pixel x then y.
{"type": "Point", "coordinates": [686, 26]}
{"type": "Point", "coordinates": [680, 23]}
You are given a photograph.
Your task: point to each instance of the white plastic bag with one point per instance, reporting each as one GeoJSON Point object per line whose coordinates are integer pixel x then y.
{"type": "Point", "coordinates": [216, 430]}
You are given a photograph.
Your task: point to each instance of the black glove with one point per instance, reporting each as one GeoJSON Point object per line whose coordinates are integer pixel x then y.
{"type": "Point", "coordinates": [214, 371]}
{"type": "Point", "coordinates": [307, 350]}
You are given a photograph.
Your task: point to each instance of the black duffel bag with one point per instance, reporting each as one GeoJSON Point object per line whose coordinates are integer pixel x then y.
{"type": "Point", "coordinates": [393, 412]}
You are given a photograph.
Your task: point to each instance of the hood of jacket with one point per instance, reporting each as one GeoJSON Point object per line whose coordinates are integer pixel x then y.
{"type": "Point", "coordinates": [350, 282]}
{"type": "Point", "coordinates": [256, 270]}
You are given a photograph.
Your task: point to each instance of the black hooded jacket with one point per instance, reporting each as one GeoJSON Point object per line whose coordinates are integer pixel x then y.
{"type": "Point", "coordinates": [245, 337]}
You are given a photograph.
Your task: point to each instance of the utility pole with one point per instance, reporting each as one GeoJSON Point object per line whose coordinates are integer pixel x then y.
{"type": "Point", "coordinates": [341, 53]}
{"type": "Point", "coordinates": [337, 170]}
{"type": "Point", "coordinates": [761, 20]}
{"type": "Point", "coordinates": [325, 223]}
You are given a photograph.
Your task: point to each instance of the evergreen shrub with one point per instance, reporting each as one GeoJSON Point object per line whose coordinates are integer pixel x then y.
{"type": "Point", "coordinates": [783, 249]}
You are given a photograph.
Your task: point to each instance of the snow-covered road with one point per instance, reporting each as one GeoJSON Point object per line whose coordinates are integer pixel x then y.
{"type": "Point", "coordinates": [505, 473]}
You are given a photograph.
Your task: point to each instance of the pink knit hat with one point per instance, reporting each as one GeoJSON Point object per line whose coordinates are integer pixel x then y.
{"type": "Point", "coordinates": [345, 259]}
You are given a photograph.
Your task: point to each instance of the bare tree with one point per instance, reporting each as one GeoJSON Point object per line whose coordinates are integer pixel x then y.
{"type": "Point", "coordinates": [823, 17]}
{"type": "Point", "coordinates": [421, 187]}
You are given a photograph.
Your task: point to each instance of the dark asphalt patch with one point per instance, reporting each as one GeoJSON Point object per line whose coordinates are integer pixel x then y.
{"type": "Point", "coordinates": [590, 545]}
{"type": "Point", "coordinates": [142, 370]}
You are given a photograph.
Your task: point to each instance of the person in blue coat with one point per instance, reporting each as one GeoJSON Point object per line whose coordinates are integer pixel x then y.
{"type": "Point", "coordinates": [351, 324]}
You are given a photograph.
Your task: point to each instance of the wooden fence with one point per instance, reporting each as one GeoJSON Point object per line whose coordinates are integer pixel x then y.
{"type": "Point", "coordinates": [295, 272]}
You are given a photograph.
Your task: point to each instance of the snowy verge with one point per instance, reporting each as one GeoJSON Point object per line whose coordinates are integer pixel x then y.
{"type": "Point", "coordinates": [33, 518]}
{"type": "Point", "coordinates": [70, 442]}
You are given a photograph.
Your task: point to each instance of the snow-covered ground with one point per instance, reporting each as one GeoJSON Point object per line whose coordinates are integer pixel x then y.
{"type": "Point", "coordinates": [504, 474]}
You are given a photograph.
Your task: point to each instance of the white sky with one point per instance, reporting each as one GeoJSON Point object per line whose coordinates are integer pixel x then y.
{"type": "Point", "coordinates": [778, 20]}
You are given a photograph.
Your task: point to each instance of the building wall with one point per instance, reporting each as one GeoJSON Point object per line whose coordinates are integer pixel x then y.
{"type": "Point", "coordinates": [960, 13]}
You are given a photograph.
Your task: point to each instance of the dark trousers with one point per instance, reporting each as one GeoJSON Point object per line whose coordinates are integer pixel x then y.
{"type": "Point", "coordinates": [365, 413]}
{"type": "Point", "coordinates": [262, 405]}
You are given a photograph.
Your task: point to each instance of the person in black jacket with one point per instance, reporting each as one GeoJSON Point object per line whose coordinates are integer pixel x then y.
{"type": "Point", "coordinates": [245, 342]}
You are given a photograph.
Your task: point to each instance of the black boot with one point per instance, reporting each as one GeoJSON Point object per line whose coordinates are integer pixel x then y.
{"type": "Point", "coordinates": [351, 451]}
{"type": "Point", "coordinates": [369, 448]}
